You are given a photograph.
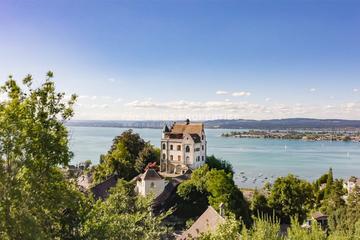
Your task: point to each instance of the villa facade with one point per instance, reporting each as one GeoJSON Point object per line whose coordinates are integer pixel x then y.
{"type": "Point", "coordinates": [183, 147]}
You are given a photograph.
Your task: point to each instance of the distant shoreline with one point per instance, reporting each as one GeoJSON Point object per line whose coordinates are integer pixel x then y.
{"type": "Point", "coordinates": [344, 136]}
{"type": "Point", "coordinates": [274, 124]}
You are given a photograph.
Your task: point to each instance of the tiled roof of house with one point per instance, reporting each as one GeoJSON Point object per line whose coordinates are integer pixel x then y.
{"type": "Point", "coordinates": [150, 174]}
{"type": "Point", "coordinates": [101, 190]}
{"type": "Point", "coordinates": [208, 221]}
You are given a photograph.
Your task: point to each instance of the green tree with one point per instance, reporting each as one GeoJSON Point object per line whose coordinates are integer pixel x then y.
{"type": "Point", "coordinates": [36, 201]}
{"type": "Point", "coordinates": [291, 197]}
{"type": "Point", "coordinates": [217, 187]}
{"type": "Point", "coordinates": [149, 154]}
{"type": "Point", "coordinates": [124, 215]}
{"type": "Point", "coordinates": [260, 206]}
{"type": "Point", "coordinates": [219, 164]}
{"type": "Point", "coordinates": [122, 156]}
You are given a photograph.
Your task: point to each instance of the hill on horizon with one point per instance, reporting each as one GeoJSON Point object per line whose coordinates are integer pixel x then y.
{"type": "Point", "coordinates": [271, 124]}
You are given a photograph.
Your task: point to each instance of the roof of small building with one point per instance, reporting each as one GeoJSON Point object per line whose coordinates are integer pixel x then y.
{"type": "Point", "coordinates": [318, 215]}
{"type": "Point", "coordinates": [150, 174]}
{"type": "Point", "coordinates": [208, 221]}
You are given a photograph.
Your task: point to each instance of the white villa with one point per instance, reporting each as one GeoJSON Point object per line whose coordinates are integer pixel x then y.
{"type": "Point", "coordinates": [183, 147]}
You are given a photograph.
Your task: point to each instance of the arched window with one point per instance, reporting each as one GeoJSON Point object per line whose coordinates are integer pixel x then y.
{"type": "Point", "coordinates": [171, 147]}
{"type": "Point", "coordinates": [187, 159]}
{"type": "Point", "coordinates": [152, 185]}
{"type": "Point", "coordinates": [187, 149]}
{"type": "Point", "coordinates": [164, 146]}
{"type": "Point", "coordinates": [171, 157]}
{"type": "Point", "coordinates": [164, 156]}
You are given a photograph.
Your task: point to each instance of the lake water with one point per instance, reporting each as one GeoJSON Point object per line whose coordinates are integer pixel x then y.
{"type": "Point", "coordinates": [269, 158]}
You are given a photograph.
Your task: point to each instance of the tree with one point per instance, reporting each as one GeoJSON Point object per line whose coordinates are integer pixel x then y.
{"type": "Point", "coordinates": [219, 164]}
{"type": "Point", "coordinates": [125, 216]}
{"type": "Point", "coordinates": [36, 201]}
{"type": "Point", "coordinates": [213, 187]}
{"type": "Point", "coordinates": [149, 154]}
{"type": "Point", "coordinates": [259, 205]}
{"type": "Point", "coordinates": [291, 197]}
{"type": "Point", "coordinates": [126, 150]}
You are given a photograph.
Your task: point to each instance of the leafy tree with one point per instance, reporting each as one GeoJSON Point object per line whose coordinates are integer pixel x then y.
{"type": "Point", "coordinates": [149, 154]}
{"type": "Point", "coordinates": [36, 201]}
{"type": "Point", "coordinates": [127, 157]}
{"type": "Point", "coordinates": [219, 164]}
{"type": "Point", "coordinates": [123, 215]}
{"type": "Point", "coordinates": [217, 187]}
{"type": "Point", "coordinates": [291, 197]}
{"type": "Point", "coordinates": [260, 206]}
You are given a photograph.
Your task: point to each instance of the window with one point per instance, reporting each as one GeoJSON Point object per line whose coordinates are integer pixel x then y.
{"type": "Point", "coordinates": [202, 147]}
{"type": "Point", "coordinates": [202, 137]}
{"type": "Point", "coordinates": [187, 149]}
{"type": "Point", "coordinates": [164, 146]}
{"type": "Point", "coordinates": [179, 158]}
{"type": "Point", "coordinates": [164, 156]}
{"type": "Point", "coordinates": [187, 159]}
{"type": "Point", "coordinates": [179, 147]}
{"type": "Point", "coordinates": [198, 158]}
{"type": "Point", "coordinates": [152, 185]}
{"type": "Point", "coordinates": [171, 157]}
{"type": "Point", "coordinates": [202, 158]}
{"type": "Point", "coordinates": [171, 147]}
{"type": "Point", "coordinates": [197, 149]}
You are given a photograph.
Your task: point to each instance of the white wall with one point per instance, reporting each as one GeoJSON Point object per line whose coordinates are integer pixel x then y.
{"type": "Point", "coordinates": [144, 187]}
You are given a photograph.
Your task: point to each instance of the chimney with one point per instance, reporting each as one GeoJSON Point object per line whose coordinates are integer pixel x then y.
{"type": "Point", "coordinates": [222, 210]}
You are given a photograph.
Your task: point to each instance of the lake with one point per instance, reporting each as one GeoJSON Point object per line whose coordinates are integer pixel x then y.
{"type": "Point", "coordinates": [257, 158]}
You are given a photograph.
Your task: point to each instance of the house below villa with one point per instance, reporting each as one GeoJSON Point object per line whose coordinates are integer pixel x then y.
{"type": "Point", "coordinates": [207, 222]}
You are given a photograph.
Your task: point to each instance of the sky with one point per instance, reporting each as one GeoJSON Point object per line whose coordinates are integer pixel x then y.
{"type": "Point", "coordinates": [198, 59]}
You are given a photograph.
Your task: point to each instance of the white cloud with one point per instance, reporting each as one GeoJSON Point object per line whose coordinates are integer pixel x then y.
{"type": "Point", "coordinates": [118, 100]}
{"type": "Point", "coordinates": [241, 94]}
{"type": "Point", "coordinates": [93, 98]}
{"type": "Point", "coordinates": [312, 89]}
{"type": "Point", "coordinates": [355, 90]}
{"type": "Point", "coordinates": [267, 99]}
{"type": "Point", "coordinates": [112, 80]}
{"type": "Point", "coordinates": [220, 92]}
{"type": "Point", "coordinates": [83, 96]}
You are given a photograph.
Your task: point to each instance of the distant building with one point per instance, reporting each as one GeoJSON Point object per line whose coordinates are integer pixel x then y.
{"type": "Point", "coordinates": [352, 183]}
{"type": "Point", "coordinates": [183, 147]}
{"type": "Point", "coordinates": [150, 182]}
{"type": "Point", "coordinates": [318, 217]}
{"type": "Point", "coordinates": [207, 222]}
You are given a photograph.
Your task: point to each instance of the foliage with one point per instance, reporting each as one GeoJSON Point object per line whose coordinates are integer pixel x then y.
{"type": "Point", "coordinates": [123, 215]}
{"type": "Point", "coordinates": [219, 164]}
{"type": "Point", "coordinates": [259, 205]}
{"type": "Point", "coordinates": [291, 197]}
{"type": "Point", "coordinates": [36, 202]}
{"type": "Point", "coordinates": [215, 186]}
{"type": "Point", "coordinates": [127, 157]}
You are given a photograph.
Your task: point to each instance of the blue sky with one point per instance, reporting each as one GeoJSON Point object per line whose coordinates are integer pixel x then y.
{"type": "Point", "coordinates": [198, 59]}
